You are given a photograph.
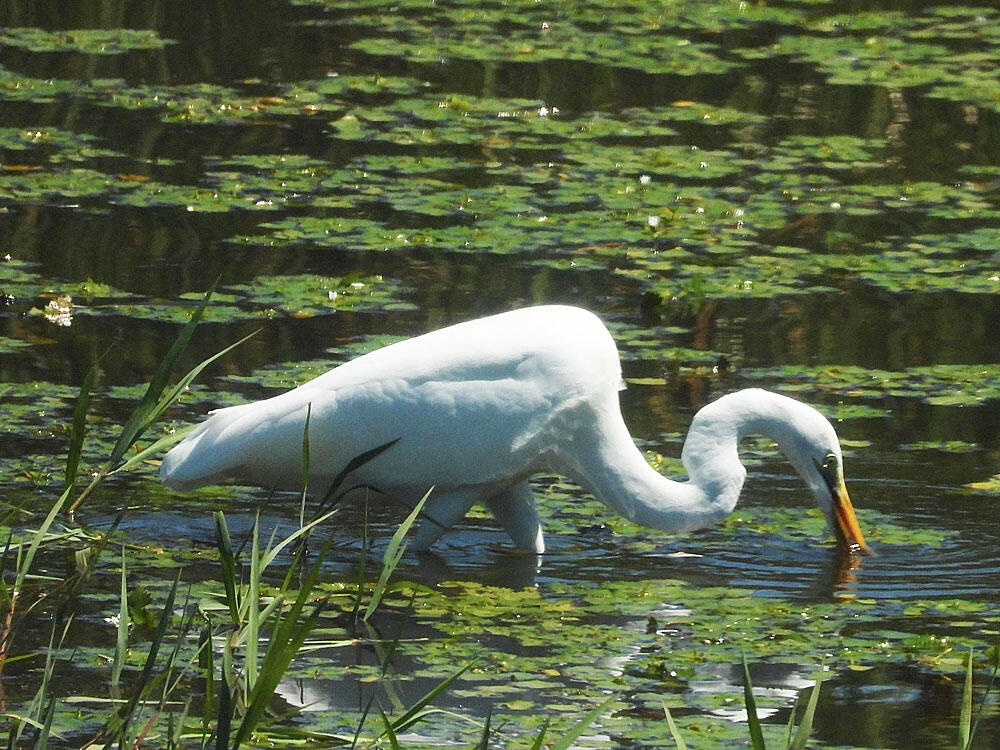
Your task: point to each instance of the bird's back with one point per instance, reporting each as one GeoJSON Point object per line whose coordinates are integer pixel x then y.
{"type": "Point", "coordinates": [474, 403]}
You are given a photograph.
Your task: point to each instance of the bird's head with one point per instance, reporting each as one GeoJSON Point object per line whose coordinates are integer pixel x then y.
{"type": "Point", "coordinates": [814, 449]}
{"type": "Point", "coordinates": [831, 494]}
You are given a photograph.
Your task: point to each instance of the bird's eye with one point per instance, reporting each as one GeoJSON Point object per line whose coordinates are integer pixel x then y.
{"type": "Point", "coordinates": [829, 462]}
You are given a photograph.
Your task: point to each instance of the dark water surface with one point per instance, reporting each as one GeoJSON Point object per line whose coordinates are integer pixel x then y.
{"type": "Point", "coordinates": [825, 224]}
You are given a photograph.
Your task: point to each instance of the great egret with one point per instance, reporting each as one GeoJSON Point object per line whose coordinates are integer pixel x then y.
{"type": "Point", "coordinates": [479, 407]}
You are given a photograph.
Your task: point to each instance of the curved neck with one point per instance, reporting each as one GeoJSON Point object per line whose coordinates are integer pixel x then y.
{"type": "Point", "coordinates": [606, 461]}
{"type": "Point", "coordinates": [603, 459]}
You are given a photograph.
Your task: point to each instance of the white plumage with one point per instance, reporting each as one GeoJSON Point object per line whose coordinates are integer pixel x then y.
{"type": "Point", "coordinates": [480, 407]}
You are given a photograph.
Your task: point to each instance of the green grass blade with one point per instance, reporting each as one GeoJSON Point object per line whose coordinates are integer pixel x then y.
{"type": "Point", "coordinates": [142, 416]}
{"type": "Point", "coordinates": [484, 739]}
{"type": "Point", "coordinates": [573, 733]}
{"type": "Point", "coordinates": [5, 590]}
{"type": "Point", "coordinates": [355, 463]}
{"type": "Point", "coordinates": [413, 713]}
{"type": "Point", "coordinates": [305, 466]}
{"type": "Point", "coordinates": [361, 722]}
{"type": "Point", "coordinates": [279, 655]}
{"type": "Point", "coordinates": [121, 644]}
{"type": "Point", "coordinates": [24, 563]}
{"type": "Point", "coordinates": [539, 742]}
{"type": "Point", "coordinates": [117, 724]}
{"type": "Point", "coordinates": [994, 653]}
{"type": "Point", "coordinates": [674, 732]}
{"type": "Point", "coordinates": [155, 448]}
{"type": "Point", "coordinates": [170, 678]}
{"type": "Point", "coordinates": [206, 663]}
{"type": "Point", "coordinates": [224, 725]}
{"type": "Point", "coordinates": [393, 554]}
{"type": "Point", "coordinates": [287, 637]}
{"type": "Point", "coordinates": [227, 559]}
{"type": "Point", "coordinates": [79, 427]}
{"type": "Point", "coordinates": [42, 738]}
{"type": "Point", "coordinates": [35, 716]}
{"type": "Point", "coordinates": [362, 567]}
{"type": "Point", "coordinates": [798, 742]}
{"type": "Point", "coordinates": [252, 603]}
{"type": "Point", "coordinates": [753, 722]}
{"type": "Point", "coordinates": [389, 733]}
{"type": "Point", "coordinates": [176, 726]}
{"type": "Point", "coordinates": [154, 646]}
{"type": "Point", "coordinates": [274, 551]}
{"type": "Point", "coordinates": [18, 722]}
{"type": "Point", "coordinates": [965, 716]}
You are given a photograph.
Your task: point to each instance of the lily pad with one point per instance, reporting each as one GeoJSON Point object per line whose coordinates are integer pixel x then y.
{"type": "Point", "coordinates": [10, 346]}
{"type": "Point", "coordinates": [989, 486]}
{"type": "Point", "coordinates": [309, 295]}
{"type": "Point", "coordinates": [86, 41]}
{"type": "Point", "coordinates": [940, 385]}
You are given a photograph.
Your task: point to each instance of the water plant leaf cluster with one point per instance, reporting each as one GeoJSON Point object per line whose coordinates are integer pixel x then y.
{"type": "Point", "coordinates": [84, 41]}
{"type": "Point", "coordinates": [939, 385]}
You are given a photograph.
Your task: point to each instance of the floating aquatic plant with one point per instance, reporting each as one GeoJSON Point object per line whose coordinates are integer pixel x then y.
{"type": "Point", "coordinates": [86, 41]}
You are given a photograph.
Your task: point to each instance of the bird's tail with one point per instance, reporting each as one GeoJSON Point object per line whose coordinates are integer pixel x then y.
{"type": "Point", "coordinates": [206, 456]}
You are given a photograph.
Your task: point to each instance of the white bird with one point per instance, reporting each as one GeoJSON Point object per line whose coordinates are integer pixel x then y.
{"type": "Point", "coordinates": [479, 407]}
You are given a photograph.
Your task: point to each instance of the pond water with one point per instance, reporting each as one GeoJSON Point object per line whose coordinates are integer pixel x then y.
{"type": "Point", "coordinates": [801, 196]}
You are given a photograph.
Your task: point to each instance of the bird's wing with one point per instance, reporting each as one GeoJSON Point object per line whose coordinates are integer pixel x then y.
{"type": "Point", "coordinates": [474, 403]}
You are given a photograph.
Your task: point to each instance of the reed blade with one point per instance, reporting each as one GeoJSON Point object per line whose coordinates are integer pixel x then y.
{"type": "Point", "coordinates": [753, 722]}
{"type": "Point", "coordinates": [573, 733]}
{"type": "Point", "coordinates": [484, 739]}
{"type": "Point", "coordinates": [79, 426]}
{"type": "Point", "coordinates": [142, 417]}
{"type": "Point", "coordinates": [305, 466]}
{"type": "Point", "coordinates": [24, 563]}
{"type": "Point", "coordinates": [801, 737]}
{"type": "Point", "coordinates": [121, 643]}
{"type": "Point", "coordinates": [414, 712]}
{"type": "Point", "coordinates": [287, 636]}
{"type": "Point", "coordinates": [965, 715]}
{"type": "Point", "coordinates": [355, 463]}
{"type": "Point", "coordinates": [674, 732]}
{"type": "Point", "coordinates": [159, 446]}
{"type": "Point", "coordinates": [393, 554]}
{"type": "Point", "coordinates": [206, 663]}
{"type": "Point", "coordinates": [227, 559]}
{"type": "Point", "coordinates": [389, 733]}
{"type": "Point", "coordinates": [539, 742]}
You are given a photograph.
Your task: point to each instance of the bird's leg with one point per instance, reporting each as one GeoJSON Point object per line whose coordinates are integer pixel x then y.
{"type": "Point", "coordinates": [440, 513]}
{"type": "Point", "coordinates": [516, 511]}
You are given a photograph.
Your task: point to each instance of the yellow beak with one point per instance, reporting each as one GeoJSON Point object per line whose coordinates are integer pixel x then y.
{"type": "Point", "coordinates": [848, 530]}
